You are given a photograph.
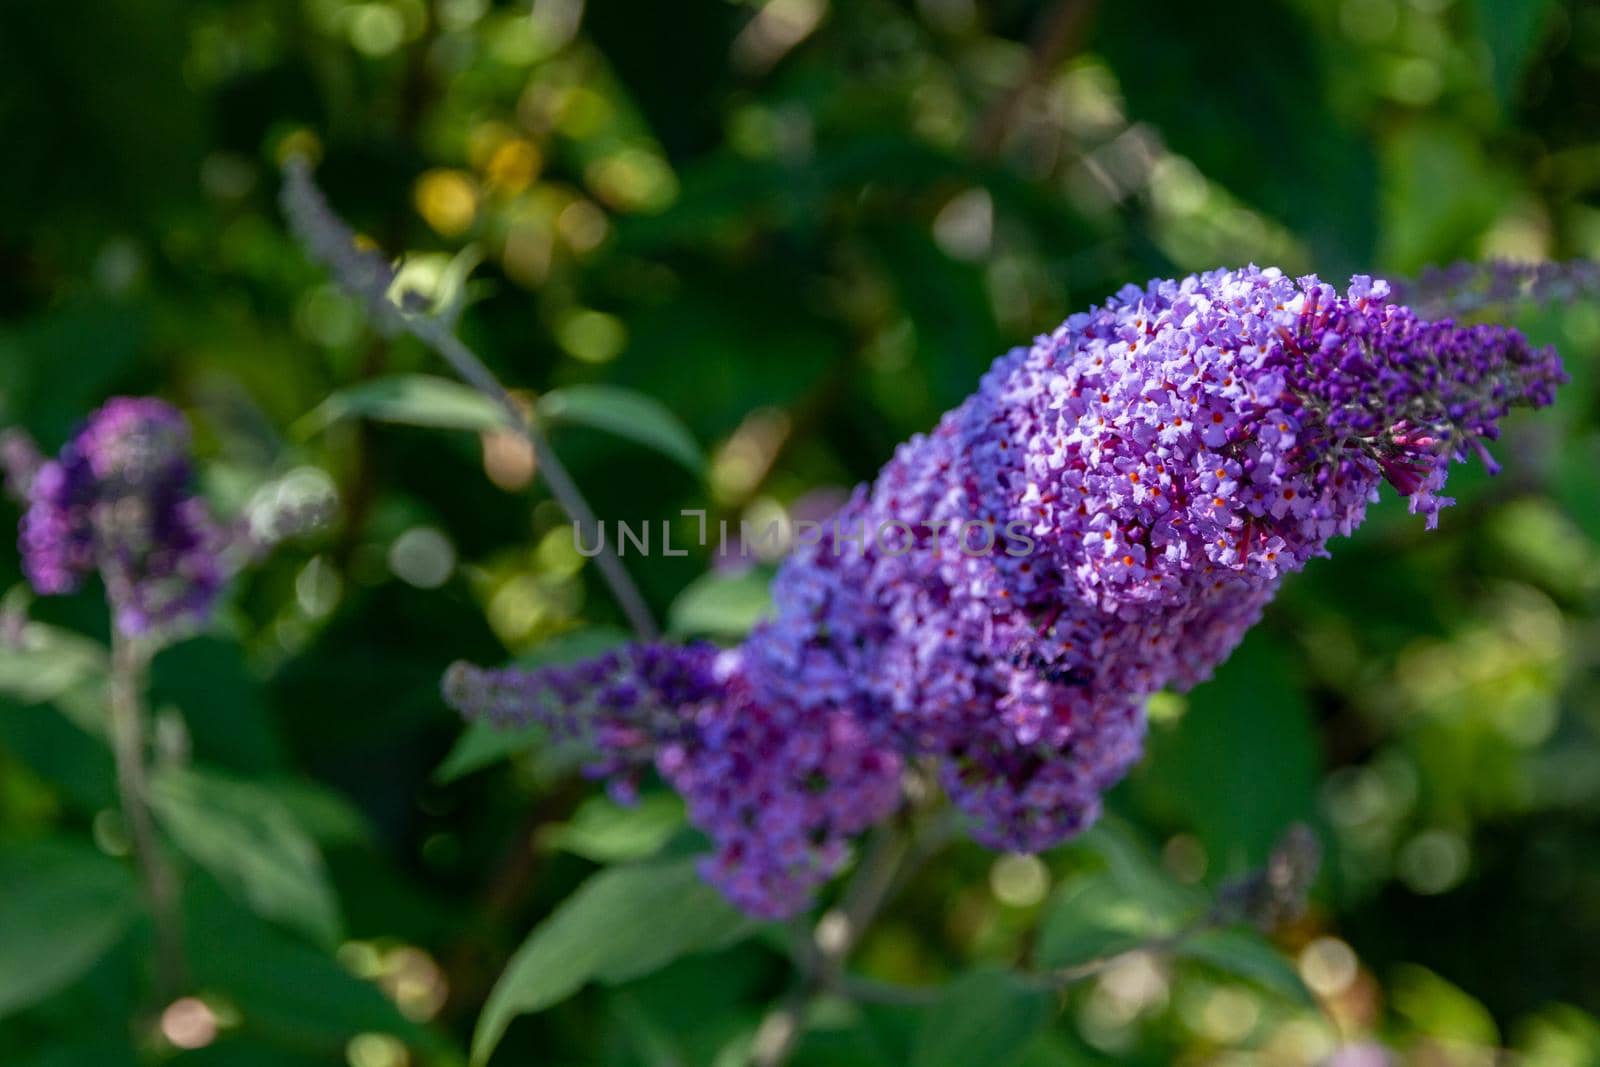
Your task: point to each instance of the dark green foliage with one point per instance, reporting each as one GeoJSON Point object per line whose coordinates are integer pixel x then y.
{"type": "Point", "coordinates": [729, 264]}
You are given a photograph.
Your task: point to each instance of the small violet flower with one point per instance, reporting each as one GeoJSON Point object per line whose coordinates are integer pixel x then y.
{"type": "Point", "coordinates": [119, 500]}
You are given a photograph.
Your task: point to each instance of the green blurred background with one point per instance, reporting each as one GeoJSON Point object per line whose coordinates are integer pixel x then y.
{"type": "Point", "coordinates": [804, 228]}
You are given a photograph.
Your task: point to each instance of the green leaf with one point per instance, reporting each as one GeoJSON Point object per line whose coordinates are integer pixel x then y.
{"type": "Point", "coordinates": [839, 1033]}
{"type": "Point", "coordinates": [1276, 106]}
{"type": "Point", "coordinates": [1092, 917]}
{"type": "Point", "coordinates": [283, 986]}
{"type": "Point", "coordinates": [1247, 955]}
{"type": "Point", "coordinates": [412, 399]}
{"type": "Point", "coordinates": [1244, 760]}
{"type": "Point", "coordinates": [1511, 29]}
{"type": "Point", "coordinates": [717, 605]}
{"type": "Point", "coordinates": [627, 414]}
{"type": "Point", "coordinates": [986, 1016]}
{"type": "Point", "coordinates": [1136, 870]}
{"type": "Point", "coordinates": [63, 905]}
{"type": "Point", "coordinates": [222, 704]}
{"type": "Point", "coordinates": [606, 832]}
{"type": "Point", "coordinates": [948, 305]}
{"type": "Point", "coordinates": [1575, 465]}
{"type": "Point", "coordinates": [323, 813]}
{"type": "Point", "coordinates": [1439, 1009]}
{"type": "Point", "coordinates": [242, 834]}
{"type": "Point", "coordinates": [1120, 907]}
{"type": "Point", "coordinates": [62, 752]}
{"type": "Point", "coordinates": [47, 663]}
{"type": "Point", "coordinates": [620, 924]}
{"type": "Point", "coordinates": [482, 745]}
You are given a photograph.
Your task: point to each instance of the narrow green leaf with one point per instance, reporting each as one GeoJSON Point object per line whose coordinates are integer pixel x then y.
{"type": "Point", "coordinates": [1512, 30]}
{"type": "Point", "coordinates": [1245, 954]}
{"type": "Point", "coordinates": [412, 399]}
{"type": "Point", "coordinates": [482, 745]}
{"type": "Point", "coordinates": [62, 906]}
{"type": "Point", "coordinates": [620, 924]}
{"type": "Point", "coordinates": [986, 1016]}
{"type": "Point", "coordinates": [606, 832]}
{"type": "Point", "coordinates": [47, 663]}
{"type": "Point", "coordinates": [1137, 872]}
{"type": "Point", "coordinates": [717, 605]}
{"type": "Point", "coordinates": [1105, 912]}
{"type": "Point", "coordinates": [1092, 917]}
{"type": "Point", "coordinates": [247, 839]}
{"type": "Point", "coordinates": [627, 414]}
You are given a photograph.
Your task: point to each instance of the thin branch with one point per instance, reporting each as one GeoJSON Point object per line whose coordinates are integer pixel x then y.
{"type": "Point", "coordinates": [1265, 897]}
{"type": "Point", "coordinates": [1059, 33]}
{"type": "Point", "coordinates": [366, 276]}
{"type": "Point", "coordinates": [874, 991]}
{"type": "Point", "coordinates": [836, 935]}
{"type": "Point", "coordinates": [556, 478]}
{"type": "Point", "coordinates": [125, 685]}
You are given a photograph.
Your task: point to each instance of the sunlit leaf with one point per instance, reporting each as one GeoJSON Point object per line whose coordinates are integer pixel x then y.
{"type": "Point", "coordinates": [717, 605]}
{"type": "Point", "coordinates": [1091, 918]}
{"type": "Point", "coordinates": [622, 923]}
{"type": "Point", "coordinates": [62, 906]}
{"type": "Point", "coordinates": [1245, 954]}
{"type": "Point", "coordinates": [412, 399]}
{"type": "Point", "coordinates": [628, 414]}
{"type": "Point", "coordinates": [248, 840]}
{"type": "Point", "coordinates": [603, 831]}
{"type": "Point", "coordinates": [1441, 1009]}
{"type": "Point", "coordinates": [47, 663]}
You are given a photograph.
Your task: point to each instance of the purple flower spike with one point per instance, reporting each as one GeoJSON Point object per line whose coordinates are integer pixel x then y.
{"type": "Point", "coordinates": [117, 500]}
{"type": "Point", "coordinates": [1105, 517]}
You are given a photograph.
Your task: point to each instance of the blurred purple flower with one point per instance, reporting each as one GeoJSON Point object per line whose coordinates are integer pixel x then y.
{"type": "Point", "coordinates": [1462, 288]}
{"type": "Point", "coordinates": [117, 499]}
{"type": "Point", "coordinates": [1156, 464]}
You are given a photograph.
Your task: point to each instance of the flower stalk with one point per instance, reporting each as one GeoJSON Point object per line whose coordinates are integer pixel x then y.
{"type": "Point", "coordinates": [130, 659]}
{"type": "Point", "coordinates": [835, 936]}
{"type": "Point", "coordinates": [367, 277]}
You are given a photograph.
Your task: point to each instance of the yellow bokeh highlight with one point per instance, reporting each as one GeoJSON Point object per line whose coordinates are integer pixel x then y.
{"type": "Point", "coordinates": [634, 179]}
{"type": "Point", "coordinates": [447, 200]}
{"type": "Point", "coordinates": [592, 336]}
{"type": "Point", "coordinates": [513, 165]}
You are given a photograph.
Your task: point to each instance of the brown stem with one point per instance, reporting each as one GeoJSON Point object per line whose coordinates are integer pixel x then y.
{"type": "Point", "coordinates": [129, 660]}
